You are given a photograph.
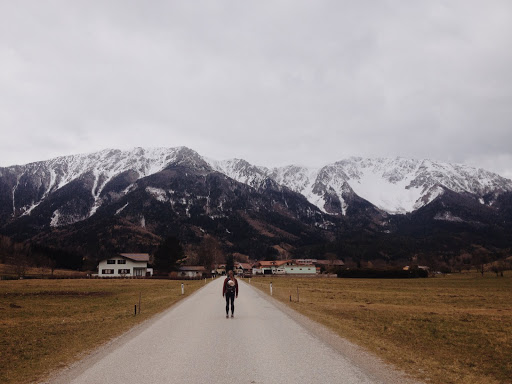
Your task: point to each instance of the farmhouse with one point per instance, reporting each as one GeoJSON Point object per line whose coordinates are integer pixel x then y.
{"type": "Point", "coordinates": [291, 267]}
{"type": "Point", "coordinates": [219, 270]}
{"type": "Point", "coordinates": [243, 269]}
{"type": "Point", "coordinates": [125, 265]}
{"type": "Point", "coordinates": [265, 267]}
{"type": "Point", "coordinates": [192, 272]}
{"type": "Point", "coordinates": [294, 267]}
{"type": "Point", "coordinates": [283, 267]}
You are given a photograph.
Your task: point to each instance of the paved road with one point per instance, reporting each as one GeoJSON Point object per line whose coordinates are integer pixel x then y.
{"type": "Point", "coordinates": [194, 343]}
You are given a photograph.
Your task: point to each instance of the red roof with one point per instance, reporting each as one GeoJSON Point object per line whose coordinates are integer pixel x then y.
{"type": "Point", "coordinates": [278, 263]}
{"type": "Point", "coordinates": [136, 256]}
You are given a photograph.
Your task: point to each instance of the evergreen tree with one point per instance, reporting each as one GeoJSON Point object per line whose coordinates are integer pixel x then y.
{"type": "Point", "coordinates": [168, 255]}
{"type": "Point", "coordinates": [230, 263]}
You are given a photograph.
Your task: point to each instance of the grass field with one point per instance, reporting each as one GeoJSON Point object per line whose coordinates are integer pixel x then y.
{"type": "Point", "coordinates": [453, 329]}
{"type": "Point", "coordinates": [47, 324]}
{"type": "Point", "coordinates": [11, 272]}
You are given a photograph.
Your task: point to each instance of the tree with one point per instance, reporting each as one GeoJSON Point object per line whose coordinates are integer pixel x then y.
{"type": "Point", "coordinates": [480, 259]}
{"type": "Point", "coordinates": [5, 249]}
{"type": "Point", "coordinates": [209, 252]}
{"type": "Point", "coordinates": [168, 255]}
{"type": "Point", "coordinates": [19, 259]}
{"type": "Point", "coordinates": [230, 263]}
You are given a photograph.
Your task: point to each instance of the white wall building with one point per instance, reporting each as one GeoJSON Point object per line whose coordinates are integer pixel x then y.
{"type": "Point", "coordinates": [293, 268]}
{"type": "Point", "coordinates": [284, 267]}
{"type": "Point", "coordinates": [125, 265]}
{"type": "Point", "coordinates": [192, 272]}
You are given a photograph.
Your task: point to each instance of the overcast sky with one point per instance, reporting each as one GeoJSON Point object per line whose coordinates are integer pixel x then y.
{"type": "Point", "coordinates": [273, 82]}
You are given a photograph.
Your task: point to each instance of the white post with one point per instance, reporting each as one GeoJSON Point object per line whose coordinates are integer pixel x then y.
{"type": "Point", "coordinates": [271, 289]}
{"type": "Point", "coordinates": [182, 289]}
{"type": "Point", "coordinates": [249, 280]}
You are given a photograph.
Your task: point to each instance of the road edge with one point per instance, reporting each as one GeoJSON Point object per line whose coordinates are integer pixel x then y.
{"type": "Point", "coordinates": [67, 374]}
{"type": "Point", "coordinates": [376, 368]}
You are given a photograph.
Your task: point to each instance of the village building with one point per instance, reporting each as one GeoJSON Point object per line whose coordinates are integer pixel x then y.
{"type": "Point", "coordinates": [125, 265]}
{"type": "Point", "coordinates": [265, 267]}
{"type": "Point", "coordinates": [291, 267]}
{"type": "Point", "coordinates": [243, 269]}
{"type": "Point", "coordinates": [219, 270]}
{"type": "Point", "coordinates": [192, 272]}
{"type": "Point", "coordinates": [294, 267]}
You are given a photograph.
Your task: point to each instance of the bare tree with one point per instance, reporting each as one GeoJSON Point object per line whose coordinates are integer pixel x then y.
{"type": "Point", "coordinates": [480, 259]}
{"type": "Point", "coordinates": [5, 249]}
{"type": "Point", "coordinates": [18, 258]}
{"type": "Point", "coordinates": [209, 252]}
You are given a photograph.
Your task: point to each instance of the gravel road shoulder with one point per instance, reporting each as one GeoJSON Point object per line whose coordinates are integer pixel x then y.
{"type": "Point", "coordinates": [373, 366]}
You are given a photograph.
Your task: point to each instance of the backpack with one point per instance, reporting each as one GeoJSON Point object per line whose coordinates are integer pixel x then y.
{"type": "Point", "coordinates": [230, 289]}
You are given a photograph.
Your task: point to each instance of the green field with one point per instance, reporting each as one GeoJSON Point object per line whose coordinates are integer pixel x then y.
{"type": "Point", "coordinates": [47, 324]}
{"type": "Point", "coordinates": [452, 329]}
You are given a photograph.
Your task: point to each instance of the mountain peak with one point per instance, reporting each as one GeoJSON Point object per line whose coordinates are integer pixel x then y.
{"type": "Point", "coordinates": [394, 185]}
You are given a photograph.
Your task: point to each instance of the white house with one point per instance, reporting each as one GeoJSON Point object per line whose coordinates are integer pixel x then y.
{"type": "Point", "coordinates": [125, 265]}
{"type": "Point", "coordinates": [291, 267]}
{"type": "Point", "coordinates": [265, 267]}
{"type": "Point", "coordinates": [283, 267]}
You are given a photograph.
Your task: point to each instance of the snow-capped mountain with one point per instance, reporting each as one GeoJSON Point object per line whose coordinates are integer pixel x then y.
{"type": "Point", "coordinates": [119, 200]}
{"type": "Point", "coordinates": [392, 185]}
{"type": "Point", "coordinates": [33, 183]}
{"type": "Point", "coordinates": [131, 199]}
{"type": "Point", "coordinates": [395, 186]}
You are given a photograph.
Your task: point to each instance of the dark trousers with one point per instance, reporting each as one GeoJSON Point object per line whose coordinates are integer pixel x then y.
{"type": "Point", "coordinates": [230, 297]}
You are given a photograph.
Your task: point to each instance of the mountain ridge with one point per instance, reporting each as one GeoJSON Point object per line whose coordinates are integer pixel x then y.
{"type": "Point", "coordinates": [128, 201]}
{"type": "Point", "coordinates": [393, 185]}
{"type": "Point", "coordinates": [396, 185]}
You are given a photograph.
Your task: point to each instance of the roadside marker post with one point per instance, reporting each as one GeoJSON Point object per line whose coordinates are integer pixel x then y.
{"type": "Point", "coordinates": [270, 288]}
{"type": "Point", "coordinates": [182, 289]}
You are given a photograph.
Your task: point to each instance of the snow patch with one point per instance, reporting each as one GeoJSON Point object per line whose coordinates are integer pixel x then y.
{"type": "Point", "coordinates": [121, 209]}
{"type": "Point", "coordinates": [447, 216]}
{"type": "Point", "coordinates": [157, 193]}
{"type": "Point", "coordinates": [29, 210]}
{"type": "Point", "coordinates": [54, 222]}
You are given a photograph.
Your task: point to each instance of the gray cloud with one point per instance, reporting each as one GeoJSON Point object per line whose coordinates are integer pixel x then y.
{"type": "Point", "coordinates": [274, 82]}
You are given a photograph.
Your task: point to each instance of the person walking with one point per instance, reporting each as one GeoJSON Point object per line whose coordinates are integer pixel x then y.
{"type": "Point", "coordinates": [230, 291]}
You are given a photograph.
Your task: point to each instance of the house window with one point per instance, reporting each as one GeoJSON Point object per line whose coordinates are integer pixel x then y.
{"type": "Point", "coordinates": [121, 261]}
{"type": "Point", "coordinates": [107, 271]}
{"type": "Point", "coordinates": [124, 272]}
{"type": "Point", "coordinates": [111, 261]}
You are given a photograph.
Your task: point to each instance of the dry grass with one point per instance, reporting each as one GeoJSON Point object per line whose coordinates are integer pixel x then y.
{"type": "Point", "coordinates": [453, 329]}
{"type": "Point", "coordinates": [10, 271]}
{"type": "Point", "coordinates": [47, 324]}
